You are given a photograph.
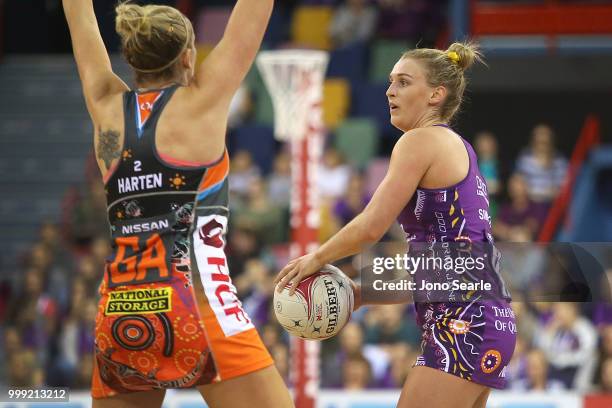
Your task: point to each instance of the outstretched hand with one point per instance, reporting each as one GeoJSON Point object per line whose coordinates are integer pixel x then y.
{"type": "Point", "coordinates": [297, 270]}
{"type": "Point", "coordinates": [300, 268]}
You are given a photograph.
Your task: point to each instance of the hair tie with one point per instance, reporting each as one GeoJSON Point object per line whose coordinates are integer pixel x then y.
{"type": "Point", "coordinates": [183, 48]}
{"type": "Point", "coordinates": [453, 56]}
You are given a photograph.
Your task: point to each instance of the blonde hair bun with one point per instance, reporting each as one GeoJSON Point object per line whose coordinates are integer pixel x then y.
{"type": "Point", "coordinates": [468, 53]}
{"type": "Point", "coordinates": [153, 37]}
{"type": "Point", "coordinates": [132, 21]}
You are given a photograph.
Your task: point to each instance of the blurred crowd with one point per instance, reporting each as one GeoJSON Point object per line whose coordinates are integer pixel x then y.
{"type": "Point", "coordinates": [48, 309]}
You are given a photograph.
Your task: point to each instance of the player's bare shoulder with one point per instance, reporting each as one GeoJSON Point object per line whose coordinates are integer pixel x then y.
{"type": "Point", "coordinates": [422, 143]}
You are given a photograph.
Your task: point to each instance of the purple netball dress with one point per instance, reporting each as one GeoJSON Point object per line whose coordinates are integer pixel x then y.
{"type": "Point", "coordinates": [464, 312]}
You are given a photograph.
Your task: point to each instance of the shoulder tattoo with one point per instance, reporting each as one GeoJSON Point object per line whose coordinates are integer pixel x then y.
{"type": "Point", "coordinates": [108, 146]}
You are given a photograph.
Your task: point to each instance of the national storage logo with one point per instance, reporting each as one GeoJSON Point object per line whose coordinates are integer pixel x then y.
{"type": "Point", "coordinates": [139, 301]}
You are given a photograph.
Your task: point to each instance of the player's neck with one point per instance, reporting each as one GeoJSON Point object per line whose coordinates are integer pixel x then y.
{"type": "Point", "coordinates": [150, 86]}
{"type": "Point", "coordinates": [143, 86]}
{"type": "Point", "coordinates": [428, 122]}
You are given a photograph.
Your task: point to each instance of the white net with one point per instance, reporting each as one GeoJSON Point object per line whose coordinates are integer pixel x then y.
{"type": "Point", "coordinates": [294, 79]}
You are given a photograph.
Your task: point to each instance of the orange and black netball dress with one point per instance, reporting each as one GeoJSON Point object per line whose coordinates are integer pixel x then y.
{"type": "Point", "coordinates": [168, 316]}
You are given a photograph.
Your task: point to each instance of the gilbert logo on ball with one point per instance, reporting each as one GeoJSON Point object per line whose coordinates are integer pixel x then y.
{"type": "Point", "coordinates": [320, 307]}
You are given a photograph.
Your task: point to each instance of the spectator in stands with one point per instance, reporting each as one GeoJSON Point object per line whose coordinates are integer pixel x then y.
{"type": "Point", "coordinates": [89, 271]}
{"type": "Point", "coordinates": [242, 246]}
{"type": "Point", "coordinates": [270, 334]}
{"type": "Point", "coordinates": [78, 294]}
{"type": "Point", "coordinates": [86, 215]}
{"type": "Point", "coordinates": [516, 371]}
{"type": "Point", "coordinates": [537, 374]}
{"type": "Point", "coordinates": [569, 341]}
{"type": "Point", "coordinates": [401, 359]}
{"type": "Point", "coordinates": [241, 108]}
{"type": "Point", "coordinates": [41, 258]}
{"type": "Point", "coordinates": [353, 21]}
{"type": "Point", "coordinates": [412, 20]}
{"type": "Point", "coordinates": [261, 215]}
{"type": "Point", "coordinates": [6, 287]}
{"type": "Point", "coordinates": [82, 380]}
{"type": "Point", "coordinates": [606, 340]}
{"type": "Point", "coordinates": [280, 354]}
{"type": "Point", "coordinates": [243, 172]}
{"type": "Point", "coordinates": [258, 289]}
{"type": "Point", "coordinates": [604, 378]}
{"type": "Point", "coordinates": [24, 370]}
{"type": "Point", "coordinates": [53, 241]}
{"type": "Point", "coordinates": [338, 213]}
{"type": "Point", "coordinates": [543, 168]}
{"type": "Point", "coordinates": [602, 310]}
{"type": "Point", "coordinates": [100, 250]}
{"type": "Point", "coordinates": [526, 323]}
{"type": "Point", "coordinates": [525, 268]}
{"type": "Point", "coordinates": [520, 219]}
{"type": "Point", "coordinates": [603, 373]}
{"type": "Point", "coordinates": [279, 181]}
{"type": "Point", "coordinates": [60, 265]}
{"type": "Point", "coordinates": [485, 144]}
{"type": "Point", "coordinates": [353, 201]}
{"type": "Point", "coordinates": [12, 340]}
{"type": "Point", "coordinates": [351, 343]}
{"type": "Point", "coordinates": [67, 361]}
{"type": "Point", "coordinates": [356, 373]}
{"type": "Point", "coordinates": [11, 344]}
{"type": "Point", "coordinates": [87, 324]}
{"type": "Point", "coordinates": [391, 327]}
{"type": "Point", "coordinates": [34, 313]}
{"type": "Point", "coordinates": [333, 175]}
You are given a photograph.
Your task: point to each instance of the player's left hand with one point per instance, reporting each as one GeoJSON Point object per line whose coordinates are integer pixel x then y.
{"type": "Point", "coordinates": [296, 271]}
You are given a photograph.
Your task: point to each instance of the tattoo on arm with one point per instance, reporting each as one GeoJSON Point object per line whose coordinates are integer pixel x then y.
{"type": "Point", "coordinates": [108, 146]}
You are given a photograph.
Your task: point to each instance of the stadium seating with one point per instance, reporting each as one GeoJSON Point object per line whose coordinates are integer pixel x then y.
{"type": "Point", "coordinates": [348, 62]}
{"type": "Point", "coordinates": [591, 201]}
{"type": "Point", "coordinates": [277, 28]}
{"type": "Point", "coordinates": [310, 26]}
{"type": "Point", "coordinates": [385, 54]}
{"type": "Point", "coordinates": [357, 140]}
{"type": "Point", "coordinates": [45, 138]}
{"type": "Point", "coordinates": [264, 111]}
{"type": "Point", "coordinates": [211, 24]}
{"type": "Point", "coordinates": [370, 100]}
{"type": "Point", "coordinates": [259, 141]}
{"type": "Point", "coordinates": [336, 101]}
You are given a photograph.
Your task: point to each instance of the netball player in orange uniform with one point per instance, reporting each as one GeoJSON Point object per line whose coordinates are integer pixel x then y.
{"type": "Point", "coordinates": [168, 315]}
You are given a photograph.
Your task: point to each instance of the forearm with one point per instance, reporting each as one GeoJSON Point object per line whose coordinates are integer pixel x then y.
{"type": "Point", "coordinates": [87, 45]}
{"type": "Point", "coordinates": [224, 69]}
{"type": "Point", "coordinates": [76, 10]}
{"type": "Point", "coordinates": [247, 24]}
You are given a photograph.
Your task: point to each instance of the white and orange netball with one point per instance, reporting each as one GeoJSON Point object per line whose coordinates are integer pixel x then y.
{"type": "Point", "coordinates": [320, 306]}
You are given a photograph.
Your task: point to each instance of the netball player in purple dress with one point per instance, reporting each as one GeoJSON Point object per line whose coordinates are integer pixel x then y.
{"type": "Point", "coordinates": [434, 189]}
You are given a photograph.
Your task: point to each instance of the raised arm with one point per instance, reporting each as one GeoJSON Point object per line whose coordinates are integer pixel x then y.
{"type": "Point", "coordinates": [92, 60]}
{"type": "Point", "coordinates": [410, 160]}
{"type": "Point", "coordinates": [229, 62]}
